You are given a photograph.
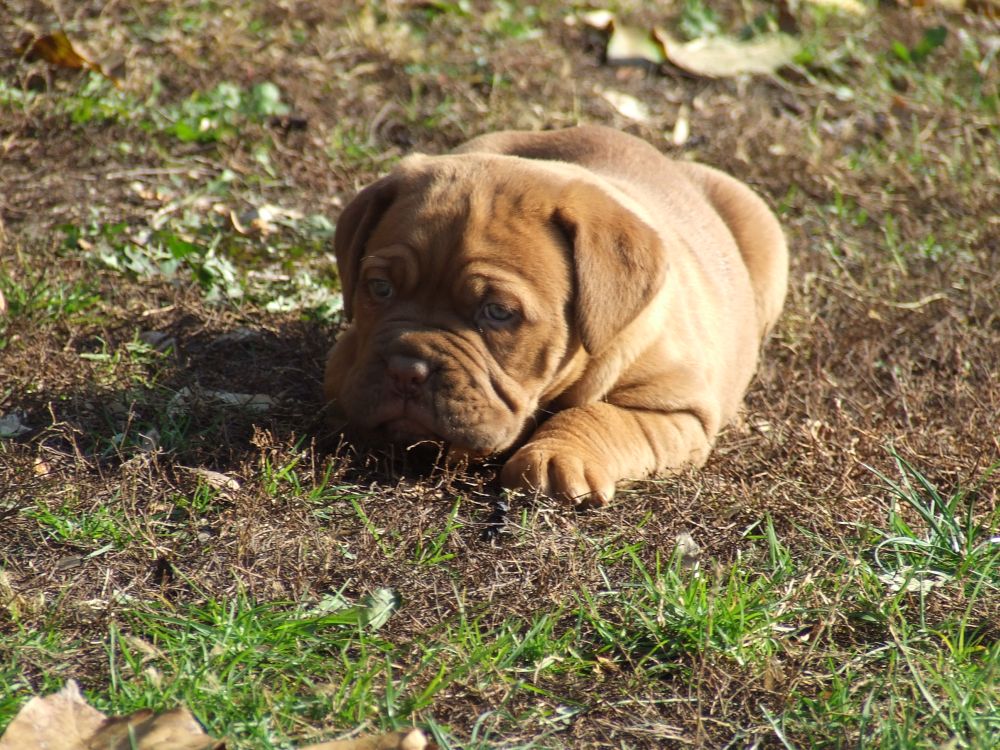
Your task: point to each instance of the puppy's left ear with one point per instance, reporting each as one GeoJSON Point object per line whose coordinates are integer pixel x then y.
{"type": "Point", "coordinates": [355, 225]}
{"type": "Point", "coordinates": [618, 262]}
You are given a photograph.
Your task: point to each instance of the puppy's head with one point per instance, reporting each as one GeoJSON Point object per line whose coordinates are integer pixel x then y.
{"type": "Point", "coordinates": [478, 286]}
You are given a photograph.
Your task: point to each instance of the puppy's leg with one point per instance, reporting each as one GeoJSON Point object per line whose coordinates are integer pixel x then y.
{"type": "Point", "coordinates": [579, 454]}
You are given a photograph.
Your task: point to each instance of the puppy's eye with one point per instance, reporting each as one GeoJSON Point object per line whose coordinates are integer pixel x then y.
{"type": "Point", "coordinates": [380, 289]}
{"type": "Point", "coordinates": [497, 313]}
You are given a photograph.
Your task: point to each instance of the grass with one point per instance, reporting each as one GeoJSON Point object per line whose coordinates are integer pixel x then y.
{"type": "Point", "coordinates": [857, 637]}
{"type": "Point", "coordinates": [178, 524]}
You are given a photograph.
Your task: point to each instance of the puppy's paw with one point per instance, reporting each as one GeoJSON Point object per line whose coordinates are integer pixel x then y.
{"type": "Point", "coordinates": [570, 478]}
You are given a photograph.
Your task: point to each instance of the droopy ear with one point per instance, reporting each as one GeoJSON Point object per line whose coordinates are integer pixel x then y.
{"type": "Point", "coordinates": [618, 262]}
{"type": "Point", "coordinates": [356, 223]}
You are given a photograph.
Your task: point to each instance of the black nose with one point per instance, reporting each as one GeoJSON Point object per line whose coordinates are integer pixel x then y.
{"type": "Point", "coordinates": [407, 374]}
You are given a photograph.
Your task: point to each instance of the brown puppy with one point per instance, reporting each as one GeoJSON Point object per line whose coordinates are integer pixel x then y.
{"type": "Point", "coordinates": [574, 294]}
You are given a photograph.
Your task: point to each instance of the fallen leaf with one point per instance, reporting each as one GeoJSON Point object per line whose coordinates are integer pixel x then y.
{"type": "Point", "coordinates": [598, 19]}
{"type": "Point", "coordinates": [379, 607]}
{"type": "Point", "coordinates": [604, 664]}
{"type": "Point", "coordinates": [949, 5]}
{"type": "Point", "coordinates": [626, 105]}
{"type": "Point", "coordinates": [626, 44]}
{"type": "Point", "coordinates": [682, 126]}
{"type": "Point", "coordinates": [149, 441]}
{"type": "Point", "coordinates": [61, 721]}
{"type": "Point", "coordinates": [687, 550]}
{"type": "Point", "coordinates": [143, 647]}
{"type": "Point", "coordinates": [631, 45]}
{"type": "Point", "coordinates": [774, 675]}
{"type": "Point", "coordinates": [723, 56]}
{"type": "Point", "coordinates": [264, 219]}
{"type": "Point", "coordinates": [3, 303]}
{"type": "Point", "coordinates": [913, 581]}
{"type": "Point", "coordinates": [57, 49]}
{"type": "Point", "coordinates": [12, 426]}
{"type": "Point", "coordinates": [239, 335]}
{"type": "Point", "coordinates": [174, 730]}
{"type": "Point", "coordinates": [16, 603]}
{"type": "Point", "coordinates": [216, 479]}
{"type": "Point", "coordinates": [851, 7]}
{"type": "Point", "coordinates": [412, 739]}
{"type": "Point", "coordinates": [256, 403]}
{"type": "Point", "coordinates": [65, 721]}
{"type": "Point", "coordinates": [374, 610]}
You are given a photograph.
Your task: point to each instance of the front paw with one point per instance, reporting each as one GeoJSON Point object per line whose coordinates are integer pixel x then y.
{"type": "Point", "coordinates": [561, 474]}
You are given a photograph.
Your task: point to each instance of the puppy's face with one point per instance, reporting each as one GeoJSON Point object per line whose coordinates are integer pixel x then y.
{"type": "Point", "coordinates": [478, 287]}
{"type": "Point", "coordinates": [460, 299]}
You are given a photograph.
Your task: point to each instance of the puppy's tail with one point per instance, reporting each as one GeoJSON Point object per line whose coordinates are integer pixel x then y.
{"type": "Point", "coordinates": [758, 235]}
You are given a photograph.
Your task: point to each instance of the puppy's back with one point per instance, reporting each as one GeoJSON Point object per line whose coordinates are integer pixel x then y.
{"type": "Point", "coordinates": [630, 161]}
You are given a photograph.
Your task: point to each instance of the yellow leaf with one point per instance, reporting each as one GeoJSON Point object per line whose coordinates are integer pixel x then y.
{"type": "Point", "coordinates": [57, 49]}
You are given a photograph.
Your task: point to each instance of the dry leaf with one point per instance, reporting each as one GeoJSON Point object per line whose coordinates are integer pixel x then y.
{"type": "Point", "coordinates": [413, 739]}
{"type": "Point", "coordinates": [15, 603]}
{"type": "Point", "coordinates": [626, 105]}
{"type": "Point", "coordinates": [852, 7]}
{"type": "Point", "coordinates": [61, 721]}
{"type": "Point", "coordinates": [687, 550]}
{"type": "Point", "coordinates": [950, 5]}
{"type": "Point", "coordinates": [626, 44]}
{"type": "Point", "coordinates": [11, 425]}
{"type": "Point", "coordinates": [774, 675]}
{"type": "Point", "coordinates": [682, 126]}
{"type": "Point", "coordinates": [723, 56]}
{"type": "Point", "coordinates": [215, 479]}
{"type": "Point", "coordinates": [64, 721]}
{"type": "Point", "coordinates": [631, 45]}
{"type": "Point", "coordinates": [598, 19]}
{"type": "Point", "coordinates": [173, 730]}
{"type": "Point", "coordinates": [264, 219]}
{"type": "Point", "coordinates": [57, 49]}
{"type": "Point", "coordinates": [256, 403]}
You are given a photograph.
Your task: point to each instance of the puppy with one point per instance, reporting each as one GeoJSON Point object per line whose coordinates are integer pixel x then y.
{"type": "Point", "coordinates": [574, 295]}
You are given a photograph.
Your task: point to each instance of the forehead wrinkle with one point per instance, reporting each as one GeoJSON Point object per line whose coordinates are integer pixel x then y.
{"type": "Point", "coordinates": [503, 216]}
{"type": "Point", "coordinates": [468, 212]}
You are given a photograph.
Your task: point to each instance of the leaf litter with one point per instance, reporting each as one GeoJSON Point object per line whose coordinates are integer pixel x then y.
{"type": "Point", "coordinates": [65, 721]}
{"type": "Point", "coordinates": [57, 49]}
{"type": "Point", "coordinates": [709, 56]}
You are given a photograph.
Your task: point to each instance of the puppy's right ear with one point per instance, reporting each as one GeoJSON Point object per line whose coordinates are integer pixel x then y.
{"type": "Point", "coordinates": [618, 259]}
{"type": "Point", "coordinates": [357, 221]}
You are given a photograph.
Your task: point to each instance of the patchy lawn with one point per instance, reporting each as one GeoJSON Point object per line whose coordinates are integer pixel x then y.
{"type": "Point", "coordinates": [178, 523]}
